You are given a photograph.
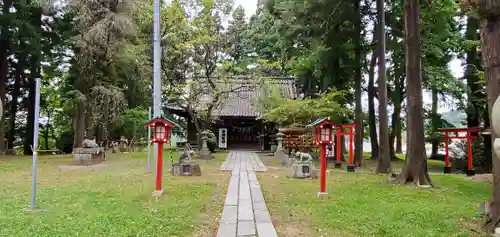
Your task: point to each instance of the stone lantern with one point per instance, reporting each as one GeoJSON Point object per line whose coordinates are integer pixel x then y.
{"type": "Point", "coordinates": [205, 152]}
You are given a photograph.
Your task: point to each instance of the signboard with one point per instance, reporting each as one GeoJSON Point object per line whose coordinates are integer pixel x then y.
{"type": "Point", "coordinates": [223, 138]}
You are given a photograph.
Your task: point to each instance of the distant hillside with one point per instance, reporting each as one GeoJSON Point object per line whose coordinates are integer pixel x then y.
{"type": "Point", "coordinates": [456, 118]}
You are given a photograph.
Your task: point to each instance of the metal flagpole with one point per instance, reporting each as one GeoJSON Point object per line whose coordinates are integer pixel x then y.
{"type": "Point", "coordinates": [148, 170]}
{"type": "Point", "coordinates": [156, 69]}
{"type": "Point", "coordinates": [34, 148]}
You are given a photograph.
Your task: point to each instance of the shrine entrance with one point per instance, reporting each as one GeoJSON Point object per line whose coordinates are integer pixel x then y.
{"type": "Point", "coordinates": [242, 133]}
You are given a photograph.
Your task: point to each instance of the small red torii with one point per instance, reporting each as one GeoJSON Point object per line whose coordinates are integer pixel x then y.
{"type": "Point", "coordinates": [468, 136]}
{"type": "Point", "coordinates": [342, 130]}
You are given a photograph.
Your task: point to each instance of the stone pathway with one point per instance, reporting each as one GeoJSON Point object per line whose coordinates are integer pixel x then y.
{"type": "Point", "coordinates": [245, 212]}
{"type": "Point", "coordinates": [242, 159]}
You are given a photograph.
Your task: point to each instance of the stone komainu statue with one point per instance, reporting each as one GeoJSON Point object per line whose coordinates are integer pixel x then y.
{"type": "Point", "coordinates": [87, 143]}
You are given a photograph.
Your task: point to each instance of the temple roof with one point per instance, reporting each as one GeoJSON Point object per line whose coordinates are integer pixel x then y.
{"type": "Point", "coordinates": [240, 95]}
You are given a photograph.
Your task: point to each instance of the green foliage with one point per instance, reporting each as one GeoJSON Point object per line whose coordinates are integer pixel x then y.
{"type": "Point", "coordinates": [301, 112]}
{"type": "Point", "coordinates": [132, 123]}
{"type": "Point", "coordinates": [430, 134]}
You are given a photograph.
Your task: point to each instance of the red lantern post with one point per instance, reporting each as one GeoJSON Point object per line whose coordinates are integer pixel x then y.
{"type": "Point", "coordinates": [161, 128]}
{"type": "Point", "coordinates": [324, 137]}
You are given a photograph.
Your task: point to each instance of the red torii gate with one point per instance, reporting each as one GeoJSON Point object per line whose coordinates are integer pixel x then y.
{"type": "Point", "coordinates": [455, 135]}
{"type": "Point", "coordinates": [345, 129]}
{"type": "Point", "coordinates": [340, 130]}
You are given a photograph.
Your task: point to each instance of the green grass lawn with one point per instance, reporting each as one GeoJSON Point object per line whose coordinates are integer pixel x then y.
{"type": "Point", "coordinates": [362, 204]}
{"type": "Point", "coordinates": [112, 198]}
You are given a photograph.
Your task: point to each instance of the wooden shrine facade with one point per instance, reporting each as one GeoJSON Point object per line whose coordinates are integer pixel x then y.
{"type": "Point", "coordinates": [238, 124]}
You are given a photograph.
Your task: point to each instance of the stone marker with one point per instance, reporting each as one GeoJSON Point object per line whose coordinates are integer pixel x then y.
{"type": "Point", "coordinates": [302, 166]}
{"type": "Point", "coordinates": [186, 166]}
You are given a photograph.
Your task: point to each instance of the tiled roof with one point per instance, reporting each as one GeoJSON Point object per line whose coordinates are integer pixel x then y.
{"type": "Point", "coordinates": [240, 100]}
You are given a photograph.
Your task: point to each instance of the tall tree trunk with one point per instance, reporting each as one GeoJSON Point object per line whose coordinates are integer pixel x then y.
{"type": "Point", "coordinates": [35, 73]}
{"type": "Point", "coordinates": [395, 127]}
{"type": "Point", "coordinates": [79, 124]}
{"type": "Point", "coordinates": [435, 121]}
{"type": "Point", "coordinates": [372, 123]}
{"type": "Point", "coordinates": [396, 115]}
{"type": "Point", "coordinates": [15, 101]}
{"type": "Point", "coordinates": [384, 158]}
{"type": "Point", "coordinates": [46, 135]}
{"type": "Point", "coordinates": [399, 137]}
{"type": "Point", "coordinates": [4, 46]}
{"type": "Point", "coordinates": [490, 52]}
{"type": "Point", "coordinates": [471, 73]}
{"type": "Point", "coordinates": [398, 97]}
{"type": "Point", "coordinates": [487, 149]}
{"type": "Point", "coordinates": [358, 113]}
{"type": "Point", "coordinates": [415, 170]}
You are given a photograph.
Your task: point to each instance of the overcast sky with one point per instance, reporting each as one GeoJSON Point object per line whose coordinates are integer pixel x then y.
{"type": "Point", "coordinates": [249, 5]}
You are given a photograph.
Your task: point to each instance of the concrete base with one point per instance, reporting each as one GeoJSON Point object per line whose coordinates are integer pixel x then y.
{"type": "Point", "coordinates": [470, 172]}
{"type": "Point", "coordinates": [447, 170]}
{"type": "Point", "coordinates": [158, 193]}
{"type": "Point", "coordinates": [322, 194]}
{"type": "Point", "coordinates": [205, 154]}
{"type": "Point", "coordinates": [338, 165]}
{"type": "Point", "coordinates": [351, 168]}
{"type": "Point", "coordinates": [29, 209]}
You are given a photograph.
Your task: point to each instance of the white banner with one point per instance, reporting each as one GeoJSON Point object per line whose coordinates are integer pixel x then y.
{"type": "Point", "coordinates": [223, 138]}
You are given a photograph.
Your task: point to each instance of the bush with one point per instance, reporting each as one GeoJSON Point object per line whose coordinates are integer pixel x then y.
{"type": "Point", "coordinates": [65, 142]}
{"type": "Point", "coordinates": [211, 141]}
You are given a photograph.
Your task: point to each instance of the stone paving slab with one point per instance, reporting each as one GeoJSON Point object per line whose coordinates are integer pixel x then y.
{"type": "Point", "coordinates": [245, 212]}
{"type": "Point", "coordinates": [226, 229]}
{"type": "Point", "coordinates": [250, 162]}
{"type": "Point", "coordinates": [266, 230]}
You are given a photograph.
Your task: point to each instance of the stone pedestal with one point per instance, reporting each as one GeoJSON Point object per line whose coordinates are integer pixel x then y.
{"type": "Point", "coordinates": [272, 143]}
{"type": "Point", "coordinates": [322, 195]}
{"type": "Point", "coordinates": [447, 170]}
{"type": "Point", "coordinates": [89, 156]}
{"type": "Point", "coordinates": [158, 193]}
{"type": "Point", "coordinates": [186, 169]}
{"type": "Point", "coordinates": [204, 151]}
{"type": "Point", "coordinates": [280, 152]}
{"type": "Point", "coordinates": [302, 167]}
{"type": "Point", "coordinates": [262, 142]}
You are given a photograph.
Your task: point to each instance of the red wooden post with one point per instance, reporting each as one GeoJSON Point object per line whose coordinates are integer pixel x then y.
{"type": "Point", "coordinates": [351, 148]}
{"type": "Point", "coordinates": [322, 168]}
{"type": "Point", "coordinates": [469, 153]}
{"type": "Point", "coordinates": [351, 133]}
{"type": "Point", "coordinates": [447, 166]}
{"type": "Point", "coordinates": [338, 146]}
{"type": "Point", "coordinates": [446, 155]}
{"type": "Point", "coordinates": [159, 168]}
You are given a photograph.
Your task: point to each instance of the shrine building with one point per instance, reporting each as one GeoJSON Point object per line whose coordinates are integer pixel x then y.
{"type": "Point", "coordinates": [237, 122]}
